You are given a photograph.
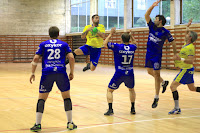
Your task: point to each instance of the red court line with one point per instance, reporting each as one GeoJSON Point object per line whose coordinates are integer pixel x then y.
{"type": "Point", "coordinates": [92, 109]}
{"type": "Point", "coordinates": [65, 126]}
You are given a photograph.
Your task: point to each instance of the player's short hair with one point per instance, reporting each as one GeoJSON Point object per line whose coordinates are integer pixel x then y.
{"type": "Point", "coordinates": [94, 15]}
{"type": "Point", "coordinates": [194, 36]}
{"type": "Point", "coordinates": [54, 32]}
{"type": "Point", "coordinates": [125, 37]}
{"type": "Point", "coordinates": [161, 17]}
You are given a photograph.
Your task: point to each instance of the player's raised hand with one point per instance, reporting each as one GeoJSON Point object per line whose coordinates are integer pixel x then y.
{"type": "Point", "coordinates": [190, 22]}
{"type": "Point", "coordinates": [32, 78]}
{"type": "Point", "coordinates": [113, 30]}
{"type": "Point", "coordinates": [71, 76]}
{"type": "Point", "coordinates": [156, 3]}
{"type": "Point", "coordinates": [176, 57]}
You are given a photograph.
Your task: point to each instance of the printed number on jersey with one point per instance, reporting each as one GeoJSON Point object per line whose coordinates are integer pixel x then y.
{"type": "Point", "coordinates": [127, 59]}
{"type": "Point", "coordinates": [54, 54]}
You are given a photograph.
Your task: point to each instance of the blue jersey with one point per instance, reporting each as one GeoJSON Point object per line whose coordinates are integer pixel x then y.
{"type": "Point", "coordinates": [53, 54]}
{"type": "Point", "coordinates": [123, 57]}
{"type": "Point", "coordinates": [156, 39]}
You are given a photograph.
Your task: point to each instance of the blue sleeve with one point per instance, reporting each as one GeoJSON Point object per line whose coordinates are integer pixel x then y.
{"type": "Point", "coordinates": [150, 24]}
{"type": "Point", "coordinates": [170, 37]}
{"type": "Point", "coordinates": [40, 49]}
{"type": "Point", "coordinates": [112, 46]}
{"type": "Point", "coordinates": [68, 49]}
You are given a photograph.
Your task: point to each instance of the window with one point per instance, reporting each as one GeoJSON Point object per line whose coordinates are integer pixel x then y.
{"type": "Point", "coordinates": [141, 6]}
{"type": "Point", "coordinates": [80, 15]}
{"type": "Point", "coordinates": [111, 13]}
{"type": "Point", "coordinates": [190, 9]}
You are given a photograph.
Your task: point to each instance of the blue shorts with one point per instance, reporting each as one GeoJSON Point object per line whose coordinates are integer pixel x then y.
{"type": "Point", "coordinates": [47, 80]}
{"type": "Point", "coordinates": [153, 62]}
{"type": "Point", "coordinates": [117, 79]}
{"type": "Point", "coordinates": [93, 52]}
{"type": "Point", "coordinates": [185, 76]}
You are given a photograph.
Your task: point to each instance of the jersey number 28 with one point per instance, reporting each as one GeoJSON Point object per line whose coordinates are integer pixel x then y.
{"type": "Point", "coordinates": [52, 55]}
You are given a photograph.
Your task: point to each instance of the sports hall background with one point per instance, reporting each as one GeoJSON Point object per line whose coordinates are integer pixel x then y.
{"type": "Point", "coordinates": [24, 25]}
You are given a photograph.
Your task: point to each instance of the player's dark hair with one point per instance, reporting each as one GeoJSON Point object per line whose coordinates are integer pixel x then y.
{"type": "Point", "coordinates": [193, 35]}
{"type": "Point", "coordinates": [94, 15]}
{"type": "Point", "coordinates": [161, 17]}
{"type": "Point", "coordinates": [125, 37]}
{"type": "Point", "coordinates": [54, 32]}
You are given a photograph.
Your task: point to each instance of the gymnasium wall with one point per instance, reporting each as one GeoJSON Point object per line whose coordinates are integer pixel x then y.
{"type": "Point", "coordinates": [21, 48]}
{"type": "Point", "coordinates": [31, 17]}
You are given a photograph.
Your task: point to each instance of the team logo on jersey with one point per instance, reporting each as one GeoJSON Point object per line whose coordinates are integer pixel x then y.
{"type": "Point", "coordinates": [53, 45]}
{"type": "Point", "coordinates": [154, 38]}
{"type": "Point", "coordinates": [126, 47]}
{"type": "Point", "coordinates": [53, 41]}
{"type": "Point", "coordinates": [42, 88]}
{"type": "Point", "coordinates": [156, 65]}
{"type": "Point", "coordinates": [113, 86]}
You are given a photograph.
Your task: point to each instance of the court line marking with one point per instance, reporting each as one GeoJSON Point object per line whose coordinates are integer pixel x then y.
{"type": "Point", "coordinates": [121, 123]}
{"type": "Point", "coordinates": [103, 125]}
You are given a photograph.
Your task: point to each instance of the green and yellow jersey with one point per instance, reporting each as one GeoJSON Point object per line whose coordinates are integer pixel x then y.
{"type": "Point", "coordinates": [93, 39]}
{"type": "Point", "coordinates": [186, 50]}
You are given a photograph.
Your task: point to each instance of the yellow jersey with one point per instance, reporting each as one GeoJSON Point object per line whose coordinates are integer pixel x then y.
{"type": "Point", "coordinates": [94, 40]}
{"type": "Point", "coordinates": [186, 50]}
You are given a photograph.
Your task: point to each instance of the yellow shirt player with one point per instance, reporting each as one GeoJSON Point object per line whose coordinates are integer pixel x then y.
{"type": "Point", "coordinates": [187, 50]}
{"type": "Point", "coordinates": [93, 39]}
{"type": "Point", "coordinates": [184, 60]}
{"type": "Point", "coordinates": [94, 34]}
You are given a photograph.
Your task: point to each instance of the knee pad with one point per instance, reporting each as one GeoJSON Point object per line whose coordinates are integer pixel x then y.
{"type": "Point", "coordinates": [175, 95]}
{"type": "Point", "coordinates": [68, 104]}
{"type": "Point", "coordinates": [40, 105]}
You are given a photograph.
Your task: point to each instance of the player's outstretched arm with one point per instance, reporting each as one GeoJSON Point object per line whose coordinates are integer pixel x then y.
{"type": "Point", "coordinates": [70, 56]}
{"type": "Point", "coordinates": [113, 30]}
{"type": "Point", "coordinates": [174, 47]}
{"type": "Point", "coordinates": [133, 41]}
{"type": "Point", "coordinates": [188, 25]}
{"type": "Point", "coordinates": [34, 66]}
{"type": "Point", "coordinates": [100, 34]}
{"type": "Point", "coordinates": [147, 14]}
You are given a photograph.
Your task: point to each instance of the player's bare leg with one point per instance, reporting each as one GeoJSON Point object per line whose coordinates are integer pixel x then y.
{"type": "Point", "coordinates": [132, 96]}
{"type": "Point", "coordinates": [175, 94]}
{"type": "Point", "coordinates": [110, 101]}
{"type": "Point", "coordinates": [40, 108]}
{"type": "Point", "coordinates": [68, 109]}
{"type": "Point", "coordinates": [163, 82]}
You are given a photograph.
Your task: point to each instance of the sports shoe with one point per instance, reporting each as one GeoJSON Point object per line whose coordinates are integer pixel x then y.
{"type": "Point", "coordinates": [133, 111]}
{"type": "Point", "coordinates": [66, 61]}
{"type": "Point", "coordinates": [164, 85]}
{"type": "Point", "coordinates": [175, 111]}
{"type": "Point", "coordinates": [71, 126]}
{"type": "Point", "coordinates": [109, 112]}
{"type": "Point", "coordinates": [36, 128]}
{"type": "Point", "coordinates": [155, 102]}
{"type": "Point", "coordinates": [87, 67]}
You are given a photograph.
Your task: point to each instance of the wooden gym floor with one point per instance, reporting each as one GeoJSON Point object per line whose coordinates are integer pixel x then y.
{"type": "Point", "coordinates": [18, 100]}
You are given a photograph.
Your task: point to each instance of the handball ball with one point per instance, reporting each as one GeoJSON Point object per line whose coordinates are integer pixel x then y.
{"type": "Point", "coordinates": [95, 30]}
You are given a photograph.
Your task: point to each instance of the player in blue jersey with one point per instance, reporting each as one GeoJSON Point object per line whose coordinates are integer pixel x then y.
{"type": "Point", "coordinates": [184, 60]}
{"type": "Point", "coordinates": [123, 58]}
{"type": "Point", "coordinates": [157, 36]}
{"type": "Point", "coordinates": [53, 53]}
